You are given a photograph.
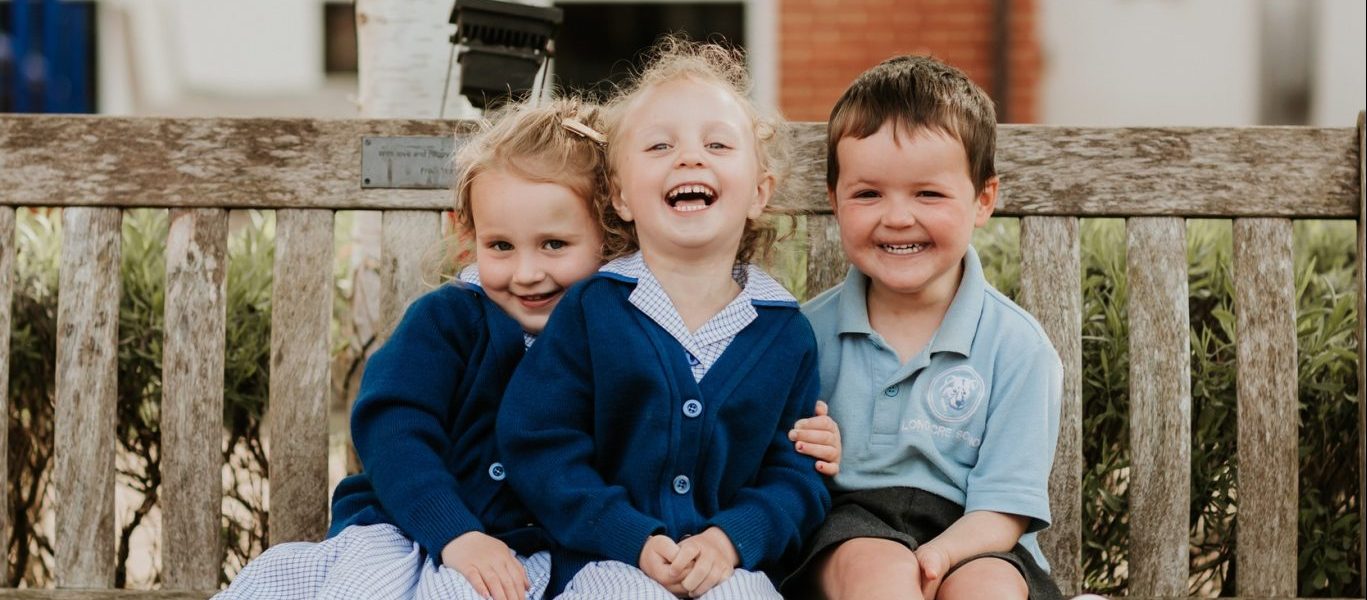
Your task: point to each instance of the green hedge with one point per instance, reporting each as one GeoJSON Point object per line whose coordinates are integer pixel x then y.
{"type": "Point", "coordinates": [1327, 376]}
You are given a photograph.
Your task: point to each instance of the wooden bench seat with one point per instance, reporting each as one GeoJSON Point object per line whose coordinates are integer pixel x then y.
{"type": "Point", "coordinates": [304, 170]}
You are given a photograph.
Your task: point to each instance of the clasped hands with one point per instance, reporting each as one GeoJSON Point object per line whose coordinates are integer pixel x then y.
{"type": "Point", "coordinates": [693, 566]}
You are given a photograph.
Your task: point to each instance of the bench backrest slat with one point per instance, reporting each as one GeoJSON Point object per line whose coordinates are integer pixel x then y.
{"type": "Point", "coordinates": [1160, 405]}
{"type": "Point", "coordinates": [826, 264]}
{"type": "Point", "coordinates": [192, 397]}
{"type": "Point", "coordinates": [7, 245]}
{"type": "Point", "coordinates": [1051, 289]}
{"type": "Point", "coordinates": [87, 371]}
{"type": "Point", "coordinates": [1265, 313]}
{"type": "Point", "coordinates": [305, 163]}
{"type": "Point", "coordinates": [301, 312]}
{"type": "Point", "coordinates": [407, 241]}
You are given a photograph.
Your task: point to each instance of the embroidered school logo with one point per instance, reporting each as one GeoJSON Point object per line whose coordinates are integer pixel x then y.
{"type": "Point", "coordinates": [955, 394]}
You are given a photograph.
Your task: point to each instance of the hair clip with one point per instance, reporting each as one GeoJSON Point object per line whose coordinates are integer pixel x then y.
{"type": "Point", "coordinates": [578, 127]}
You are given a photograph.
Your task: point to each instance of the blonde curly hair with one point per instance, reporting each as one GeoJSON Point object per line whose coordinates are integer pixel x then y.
{"type": "Point", "coordinates": [550, 142]}
{"type": "Point", "coordinates": [672, 58]}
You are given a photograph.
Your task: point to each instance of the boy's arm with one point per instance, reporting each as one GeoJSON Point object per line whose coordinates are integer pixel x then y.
{"type": "Point", "coordinates": [788, 498]}
{"type": "Point", "coordinates": [1008, 488]}
{"type": "Point", "coordinates": [975, 533]}
{"type": "Point", "coordinates": [545, 435]}
{"type": "Point", "coordinates": [407, 394]}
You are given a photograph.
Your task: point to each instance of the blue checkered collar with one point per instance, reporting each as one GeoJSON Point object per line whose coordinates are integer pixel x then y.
{"type": "Point", "coordinates": [470, 275]}
{"type": "Point", "coordinates": [757, 289]}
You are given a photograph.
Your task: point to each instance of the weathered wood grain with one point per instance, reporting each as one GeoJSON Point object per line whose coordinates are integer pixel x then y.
{"type": "Point", "coordinates": [87, 371]}
{"type": "Point", "coordinates": [1160, 405]}
{"type": "Point", "coordinates": [826, 264]}
{"type": "Point", "coordinates": [7, 244]}
{"type": "Point", "coordinates": [301, 310]}
{"type": "Point", "coordinates": [408, 240]}
{"type": "Point", "coordinates": [1362, 352]}
{"type": "Point", "coordinates": [1051, 289]}
{"type": "Point", "coordinates": [1265, 312]}
{"type": "Point", "coordinates": [192, 404]}
{"type": "Point", "coordinates": [278, 163]}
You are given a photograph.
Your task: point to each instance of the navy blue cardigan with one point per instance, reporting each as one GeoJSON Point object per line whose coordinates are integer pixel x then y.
{"type": "Point", "coordinates": [423, 426]}
{"type": "Point", "coordinates": [605, 443]}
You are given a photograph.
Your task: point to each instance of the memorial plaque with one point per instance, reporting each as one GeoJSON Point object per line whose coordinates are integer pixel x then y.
{"type": "Point", "coordinates": [408, 162]}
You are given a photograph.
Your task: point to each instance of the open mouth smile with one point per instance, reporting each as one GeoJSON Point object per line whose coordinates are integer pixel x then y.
{"type": "Point", "coordinates": [904, 249]}
{"type": "Point", "coordinates": [537, 300]}
{"type": "Point", "coordinates": [691, 197]}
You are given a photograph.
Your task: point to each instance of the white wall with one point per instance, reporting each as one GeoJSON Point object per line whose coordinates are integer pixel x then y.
{"type": "Point", "coordinates": [246, 47]}
{"type": "Point", "coordinates": [1149, 62]}
{"type": "Point", "coordinates": [1339, 83]}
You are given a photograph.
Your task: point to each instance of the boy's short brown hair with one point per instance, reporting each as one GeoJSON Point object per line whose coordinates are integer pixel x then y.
{"type": "Point", "coordinates": [914, 92]}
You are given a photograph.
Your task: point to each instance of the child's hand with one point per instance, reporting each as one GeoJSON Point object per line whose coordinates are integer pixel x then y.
{"type": "Point", "coordinates": [705, 560]}
{"type": "Point", "coordinates": [819, 438]}
{"type": "Point", "coordinates": [488, 564]}
{"type": "Point", "coordinates": [656, 557]}
{"type": "Point", "coordinates": [933, 563]}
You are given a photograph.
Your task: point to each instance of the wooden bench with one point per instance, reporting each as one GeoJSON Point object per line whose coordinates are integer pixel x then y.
{"type": "Point", "coordinates": [96, 167]}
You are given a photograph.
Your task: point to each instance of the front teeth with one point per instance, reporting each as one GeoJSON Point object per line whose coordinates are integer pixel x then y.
{"type": "Point", "coordinates": [903, 248]}
{"type": "Point", "coordinates": [693, 188]}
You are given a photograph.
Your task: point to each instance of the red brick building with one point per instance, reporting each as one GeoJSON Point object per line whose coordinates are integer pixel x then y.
{"type": "Point", "coordinates": [824, 44]}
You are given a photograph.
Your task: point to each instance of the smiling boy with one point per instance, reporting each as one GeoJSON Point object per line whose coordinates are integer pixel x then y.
{"type": "Point", "coordinates": [946, 391]}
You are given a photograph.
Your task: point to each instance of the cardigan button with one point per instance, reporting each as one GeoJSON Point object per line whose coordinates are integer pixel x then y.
{"type": "Point", "coordinates": [497, 472]}
{"type": "Point", "coordinates": [682, 485]}
{"type": "Point", "coordinates": [692, 408]}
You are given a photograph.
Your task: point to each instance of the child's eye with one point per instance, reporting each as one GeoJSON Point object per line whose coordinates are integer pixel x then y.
{"type": "Point", "coordinates": [554, 244]}
{"type": "Point", "coordinates": [866, 194]}
{"type": "Point", "coordinates": [717, 146]}
{"type": "Point", "coordinates": [658, 147]}
{"type": "Point", "coordinates": [500, 246]}
{"type": "Point", "coordinates": [930, 194]}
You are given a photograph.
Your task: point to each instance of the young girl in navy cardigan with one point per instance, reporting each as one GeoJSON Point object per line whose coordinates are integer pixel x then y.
{"type": "Point", "coordinates": [431, 516]}
{"type": "Point", "coordinates": [647, 429]}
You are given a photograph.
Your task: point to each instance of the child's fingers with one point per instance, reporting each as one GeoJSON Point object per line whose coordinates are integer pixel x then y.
{"type": "Point", "coordinates": [809, 435]}
{"type": "Point", "coordinates": [499, 583]}
{"type": "Point", "coordinates": [476, 581]}
{"type": "Point", "coordinates": [818, 451]}
{"type": "Point", "coordinates": [683, 561]}
{"type": "Point", "coordinates": [516, 577]}
{"type": "Point", "coordinates": [822, 409]}
{"type": "Point", "coordinates": [829, 469]}
{"type": "Point", "coordinates": [693, 582]}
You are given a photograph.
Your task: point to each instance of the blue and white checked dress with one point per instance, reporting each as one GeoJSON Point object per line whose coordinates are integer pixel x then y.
{"type": "Point", "coordinates": [372, 562]}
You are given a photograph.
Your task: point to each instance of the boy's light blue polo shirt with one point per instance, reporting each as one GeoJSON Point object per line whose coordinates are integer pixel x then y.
{"type": "Point", "coordinates": [973, 418]}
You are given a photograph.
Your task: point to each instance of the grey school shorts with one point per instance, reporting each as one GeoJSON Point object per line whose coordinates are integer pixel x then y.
{"type": "Point", "coordinates": [909, 516]}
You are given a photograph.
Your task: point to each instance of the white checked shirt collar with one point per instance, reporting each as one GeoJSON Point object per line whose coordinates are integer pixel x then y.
{"type": "Point", "coordinates": [707, 344]}
{"type": "Point", "coordinates": [470, 275]}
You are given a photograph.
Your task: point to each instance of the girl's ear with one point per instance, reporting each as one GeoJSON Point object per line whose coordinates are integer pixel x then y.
{"type": "Point", "coordinates": [763, 192]}
{"type": "Point", "coordinates": [619, 204]}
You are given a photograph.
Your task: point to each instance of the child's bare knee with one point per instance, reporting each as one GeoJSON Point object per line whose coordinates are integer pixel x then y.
{"type": "Point", "coordinates": [985, 577]}
{"type": "Point", "coordinates": [853, 566]}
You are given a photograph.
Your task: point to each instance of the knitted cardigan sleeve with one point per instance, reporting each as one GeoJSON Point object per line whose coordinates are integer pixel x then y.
{"type": "Point", "coordinates": [545, 434]}
{"type": "Point", "coordinates": [408, 391]}
{"type": "Point", "coordinates": [769, 519]}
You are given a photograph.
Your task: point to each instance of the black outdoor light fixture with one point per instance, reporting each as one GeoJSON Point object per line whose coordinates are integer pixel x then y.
{"type": "Point", "coordinates": [503, 45]}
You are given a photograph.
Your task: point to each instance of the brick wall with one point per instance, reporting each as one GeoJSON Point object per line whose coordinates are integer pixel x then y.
{"type": "Point", "coordinates": [825, 44]}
